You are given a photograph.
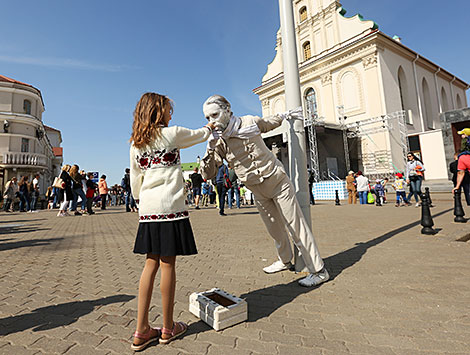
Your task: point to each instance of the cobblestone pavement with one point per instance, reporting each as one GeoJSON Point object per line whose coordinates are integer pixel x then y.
{"type": "Point", "coordinates": [69, 285]}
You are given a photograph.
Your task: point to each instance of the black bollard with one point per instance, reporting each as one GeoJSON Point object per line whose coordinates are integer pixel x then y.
{"type": "Point", "coordinates": [337, 198]}
{"type": "Point", "coordinates": [428, 196]}
{"type": "Point", "coordinates": [426, 218]}
{"type": "Point", "coordinates": [459, 213]}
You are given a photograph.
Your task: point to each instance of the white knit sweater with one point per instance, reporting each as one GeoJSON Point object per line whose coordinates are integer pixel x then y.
{"type": "Point", "coordinates": [156, 176]}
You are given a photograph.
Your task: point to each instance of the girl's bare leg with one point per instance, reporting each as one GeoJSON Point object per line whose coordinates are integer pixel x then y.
{"type": "Point", "coordinates": [167, 288]}
{"type": "Point", "coordinates": [145, 294]}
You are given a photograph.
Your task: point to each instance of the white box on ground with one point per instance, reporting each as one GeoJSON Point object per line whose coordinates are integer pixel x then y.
{"type": "Point", "coordinates": [218, 308]}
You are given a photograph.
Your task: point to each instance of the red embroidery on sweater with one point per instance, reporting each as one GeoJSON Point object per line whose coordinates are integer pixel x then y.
{"type": "Point", "coordinates": [158, 158]}
{"type": "Point", "coordinates": [163, 217]}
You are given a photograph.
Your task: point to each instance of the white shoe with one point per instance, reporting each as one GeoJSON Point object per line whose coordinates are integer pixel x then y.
{"type": "Point", "coordinates": [315, 279]}
{"type": "Point", "coordinates": [276, 267]}
{"type": "Point", "coordinates": [417, 205]}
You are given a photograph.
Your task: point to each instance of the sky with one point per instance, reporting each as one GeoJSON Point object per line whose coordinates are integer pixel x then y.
{"type": "Point", "coordinates": [92, 60]}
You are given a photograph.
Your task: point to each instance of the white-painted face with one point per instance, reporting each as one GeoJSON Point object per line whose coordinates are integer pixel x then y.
{"type": "Point", "coordinates": [217, 111]}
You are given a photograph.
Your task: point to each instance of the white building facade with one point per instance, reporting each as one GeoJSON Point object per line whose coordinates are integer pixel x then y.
{"type": "Point", "coordinates": [25, 148]}
{"type": "Point", "coordinates": [351, 72]}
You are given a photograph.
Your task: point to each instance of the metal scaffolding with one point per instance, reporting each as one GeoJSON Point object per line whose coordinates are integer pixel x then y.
{"type": "Point", "coordinates": [311, 120]}
{"type": "Point", "coordinates": [379, 162]}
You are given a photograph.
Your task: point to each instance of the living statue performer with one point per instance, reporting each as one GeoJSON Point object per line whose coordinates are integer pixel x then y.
{"type": "Point", "coordinates": [238, 140]}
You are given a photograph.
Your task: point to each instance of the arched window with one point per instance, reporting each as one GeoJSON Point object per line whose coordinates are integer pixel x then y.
{"type": "Point", "coordinates": [303, 14]}
{"type": "Point", "coordinates": [444, 100]}
{"type": "Point", "coordinates": [459, 102]}
{"type": "Point", "coordinates": [350, 92]}
{"type": "Point", "coordinates": [307, 51]}
{"type": "Point", "coordinates": [27, 107]}
{"type": "Point", "coordinates": [428, 113]}
{"type": "Point", "coordinates": [311, 102]}
{"type": "Point", "coordinates": [404, 95]}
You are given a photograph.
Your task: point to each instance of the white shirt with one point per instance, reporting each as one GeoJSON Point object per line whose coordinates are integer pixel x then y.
{"type": "Point", "coordinates": [362, 183]}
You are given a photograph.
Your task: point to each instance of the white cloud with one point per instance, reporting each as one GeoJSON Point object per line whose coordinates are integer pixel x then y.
{"type": "Point", "coordinates": [62, 63]}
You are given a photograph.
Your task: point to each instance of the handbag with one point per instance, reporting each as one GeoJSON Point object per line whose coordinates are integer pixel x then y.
{"type": "Point", "coordinates": [370, 198]}
{"type": "Point", "coordinates": [227, 183]}
{"type": "Point", "coordinates": [59, 183]}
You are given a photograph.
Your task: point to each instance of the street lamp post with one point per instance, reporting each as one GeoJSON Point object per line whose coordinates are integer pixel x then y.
{"type": "Point", "coordinates": [296, 133]}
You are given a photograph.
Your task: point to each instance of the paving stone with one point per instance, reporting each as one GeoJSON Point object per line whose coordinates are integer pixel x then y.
{"type": "Point", "coordinates": [216, 338]}
{"type": "Point", "coordinates": [368, 349]}
{"type": "Point", "coordinates": [119, 346]}
{"type": "Point", "coordinates": [10, 349]}
{"type": "Point", "coordinates": [79, 349]}
{"type": "Point", "coordinates": [86, 338]}
{"type": "Point", "coordinates": [261, 347]}
{"type": "Point", "coordinates": [297, 350]}
{"type": "Point", "coordinates": [52, 345]}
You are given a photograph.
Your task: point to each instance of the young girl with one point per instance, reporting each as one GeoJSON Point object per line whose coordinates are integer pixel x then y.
{"type": "Point", "coordinates": [164, 229]}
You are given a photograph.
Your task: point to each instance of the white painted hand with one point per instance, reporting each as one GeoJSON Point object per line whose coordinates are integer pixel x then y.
{"type": "Point", "coordinates": [296, 113]}
{"type": "Point", "coordinates": [213, 138]}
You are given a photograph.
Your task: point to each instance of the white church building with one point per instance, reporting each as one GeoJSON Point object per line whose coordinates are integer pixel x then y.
{"type": "Point", "coordinates": [360, 83]}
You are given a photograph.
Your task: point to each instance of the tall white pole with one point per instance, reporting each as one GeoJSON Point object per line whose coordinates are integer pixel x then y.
{"type": "Point", "coordinates": [296, 134]}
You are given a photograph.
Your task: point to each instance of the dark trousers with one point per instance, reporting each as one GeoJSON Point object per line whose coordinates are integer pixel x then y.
{"type": "Point", "coordinates": [89, 204]}
{"type": "Point", "coordinates": [103, 201]}
{"type": "Point", "coordinates": [221, 190]}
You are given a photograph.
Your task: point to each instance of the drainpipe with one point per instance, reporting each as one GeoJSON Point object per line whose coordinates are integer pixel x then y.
{"type": "Point", "coordinates": [452, 92]}
{"type": "Point", "coordinates": [418, 95]}
{"type": "Point", "coordinates": [437, 89]}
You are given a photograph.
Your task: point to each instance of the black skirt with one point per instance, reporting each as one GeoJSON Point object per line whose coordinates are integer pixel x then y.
{"type": "Point", "coordinates": [165, 238]}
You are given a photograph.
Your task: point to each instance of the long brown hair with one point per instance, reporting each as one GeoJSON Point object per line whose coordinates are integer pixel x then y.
{"type": "Point", "coordinates": [73, 172]}
{"type": "Point", "coordinates": [149, 116]}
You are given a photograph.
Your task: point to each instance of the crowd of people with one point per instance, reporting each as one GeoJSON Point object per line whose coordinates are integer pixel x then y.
{"type": "Point", "coordinates": [359, 186]}
{"type": "Point", "coordinates": [73, 192]}
{"type": "Point", "coordinates": [225, 189]}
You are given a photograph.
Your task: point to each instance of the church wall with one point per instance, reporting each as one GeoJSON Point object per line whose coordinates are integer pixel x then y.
{"type": "Point", "coordinates": [391, 63]}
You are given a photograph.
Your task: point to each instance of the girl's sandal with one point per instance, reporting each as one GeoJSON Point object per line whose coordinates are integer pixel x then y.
{"type": "Point", "coordinates": [174, 334]}
{"type": "Point", "coordinates": [147, 337]}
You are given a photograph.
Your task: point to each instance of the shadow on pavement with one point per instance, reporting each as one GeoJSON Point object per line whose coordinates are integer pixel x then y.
{"type": "Point", "coordinates": [265, 301]}
{"type": "Point", "coordinates": [22, 220]}
{"type": "Point", "coordinates": [27, 243]}
{"type": "Point", "coordinates": [50, 317]}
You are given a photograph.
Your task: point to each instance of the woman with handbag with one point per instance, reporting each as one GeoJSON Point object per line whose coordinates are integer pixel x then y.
{"type": "Point", "coordinates": [414, 176]}
{"type": "Point", "coordinates": [11, 190]}
{"type": "Point", "coordinates": [66, 191]}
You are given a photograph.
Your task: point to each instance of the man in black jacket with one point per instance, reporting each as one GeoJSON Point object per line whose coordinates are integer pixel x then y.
{"type": "Point", "coordinates": [126, 186]}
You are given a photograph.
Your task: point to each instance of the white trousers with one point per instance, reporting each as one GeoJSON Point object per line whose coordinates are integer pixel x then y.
{"type": "Point", "coordinates": [282, 215]}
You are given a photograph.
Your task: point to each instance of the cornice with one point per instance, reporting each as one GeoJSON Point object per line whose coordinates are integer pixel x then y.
{"type": "Point", "coordinates": [323, 66]}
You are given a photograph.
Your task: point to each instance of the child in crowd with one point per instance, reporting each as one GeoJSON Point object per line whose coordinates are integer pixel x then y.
{"type": "Point", "coordinates": [205, 193]}
{"type": "Point", "coordinates": [164, 229]}
{"type": "Point", "coordinates": [384, 184]}
{"type": "Point", "coordinates": [399, 186]}
{"type": "Point", "coordinates": [379, 192]}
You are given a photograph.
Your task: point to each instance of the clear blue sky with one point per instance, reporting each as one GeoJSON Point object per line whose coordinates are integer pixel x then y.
{"type": "Point", "coordinates": [92, 60]}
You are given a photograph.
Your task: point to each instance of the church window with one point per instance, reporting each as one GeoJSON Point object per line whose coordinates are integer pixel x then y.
{"type": "Point", "coordinates": [307, 51]}
{"type": "Point", "coordinates": [311, 102]}
{"type": "Point", "coordinates": [350, 92]}
{"type": "Point", "coordinates": [444, 100]}
{"type": "Point", "coordinates": [404, 94]}
{"type": "Point", "coordinates": [459, 102]}
{"type": "Point", "coordinates": [303, 14]}
{"type": "Point", "coordinates": [428, 112]}
{"type": "Point", "coordinates": [27, 107]}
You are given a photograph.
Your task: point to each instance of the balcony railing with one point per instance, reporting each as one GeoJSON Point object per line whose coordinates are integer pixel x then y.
{"type": "Point", "coordinates": [16, 158]}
